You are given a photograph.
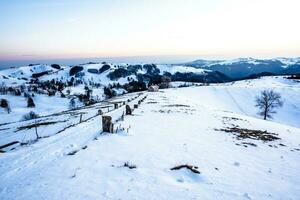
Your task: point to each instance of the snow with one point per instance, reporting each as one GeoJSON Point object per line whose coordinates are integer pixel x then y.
{"type": "Point", "coordinates": [178, 68]}
{"type": "Point", "coordinates": [288, 61]}
{"type": "Point", "coordinates": [19, 106]}
{"type": "Point", "coordinates": [171, 127]}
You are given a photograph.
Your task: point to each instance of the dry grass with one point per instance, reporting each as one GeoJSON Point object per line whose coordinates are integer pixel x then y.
{"type": "Point", "coordinates": [243, 133]}
{"type": "Point", "coordinates": [193, 169]}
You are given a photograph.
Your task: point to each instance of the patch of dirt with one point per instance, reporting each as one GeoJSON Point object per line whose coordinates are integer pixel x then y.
{"type": "Point", "coordinates": [72, 153]}
{"type": "Point", "coordinates": [249, 143]}
{"type": "Point", "coordinates": [129, 165]}
{"type": "Point", "coordinates": [181, 110]}
{"type": "Point", "coordinates": [162, 111]}
{"type": "Point", "coordinates": [151, 102]}
{"type": "Point", "coordinates": [243, 133]}
{"type": "Point", "coordinates": [192, 168]}
{"type": "Point", "coordinates": [176, 105]}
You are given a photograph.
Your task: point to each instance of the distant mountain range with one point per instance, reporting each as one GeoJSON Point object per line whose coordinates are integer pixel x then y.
{"type": "Point", "coordinates": [244, 67]}
{"type": "Point", "coordinates": [207, 71]}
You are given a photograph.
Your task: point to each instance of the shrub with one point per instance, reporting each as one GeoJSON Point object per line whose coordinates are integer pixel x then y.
{"type": "Point", "coordinates": [72, 103]}
{"type": "Point", "coordinates": [4, 104]}
{"type": "Point", "coordinates": [30, 115]}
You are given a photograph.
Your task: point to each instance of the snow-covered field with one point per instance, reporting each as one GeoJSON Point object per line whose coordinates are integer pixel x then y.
{"type": "Point", "coordinates": [170, 128]}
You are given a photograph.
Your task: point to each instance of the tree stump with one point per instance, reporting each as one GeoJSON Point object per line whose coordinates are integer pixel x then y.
{"type": "Point", "coordinates": [135, 106]}
{"type": "Point", "coordinates": [128, 110]}
{"type": "Point", "coordinates": [100, 112]}
{"type": "Point", "coordinates": [107, 125]}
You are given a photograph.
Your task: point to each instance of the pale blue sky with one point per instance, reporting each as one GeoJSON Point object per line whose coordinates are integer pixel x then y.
{"type": "Point", "coordinates": [50, 29]}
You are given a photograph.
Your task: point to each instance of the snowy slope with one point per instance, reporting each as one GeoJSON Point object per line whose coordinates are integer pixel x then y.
{"type": "Point", "coordinates": [172, 127]}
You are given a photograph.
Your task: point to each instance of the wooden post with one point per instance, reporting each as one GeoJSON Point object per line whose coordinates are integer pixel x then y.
{"type": "Point", "coordinates": [128, 110]}
{"type": "Point", "coordinates": [135, 106]}
{"type": "Point", "coordinates": [116, 105]}
{"type": "Point", "coordinates": [80, 119]}
{"type": "Point", "coordinates": [107, 125]}
{"type": "Point", "coordinates": [124, 103]}
{"type": "Point", "coordinates": [122, 116]}
{"type": "Point", "coordinates": [36, 133]}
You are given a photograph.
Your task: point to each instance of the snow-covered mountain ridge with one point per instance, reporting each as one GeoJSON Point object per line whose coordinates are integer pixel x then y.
{"type": "Point", "coordinates": [244, 67]}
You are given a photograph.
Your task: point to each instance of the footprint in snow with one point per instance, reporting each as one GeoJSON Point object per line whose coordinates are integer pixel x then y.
{"type": "Point", "coordinates": [186, 176]}
{"type": "Point", "coordinates": [246, 195]}
{"type": "Point", "coordinates": [236, 164]}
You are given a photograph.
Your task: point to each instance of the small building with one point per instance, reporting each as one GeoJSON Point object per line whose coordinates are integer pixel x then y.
{"type": "Point", "coordinates": [153, 88]}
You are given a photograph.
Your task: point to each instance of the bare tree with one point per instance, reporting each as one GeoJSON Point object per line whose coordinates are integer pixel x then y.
{"type": "Point", "coordinates": [267, 101]}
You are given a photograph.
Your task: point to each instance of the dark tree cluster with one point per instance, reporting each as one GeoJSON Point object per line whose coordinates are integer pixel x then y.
{"type": "Point", "coordinates": [93, 71]}
{"type": "Point", "coordinates": [151, 69]}
{"type": "Point", "coordinates": [55, 66]}
{"type": "Point", "coordinates": [74, 70]}
{"type": "Point", "coordinates": [37, 75]}
{"type": "Point", "coordinates": [30, 115]}
{"type": "Point", "coordinates": [104, 68]}
{"type": "Point", "coordinates": [135, 86]}
{"type": "Point", "coordinates": [119, 73]}
{"type": "Point", "coordinates": [109, 92]}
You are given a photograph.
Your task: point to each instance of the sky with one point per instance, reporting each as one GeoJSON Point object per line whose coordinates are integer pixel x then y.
{"type": "Point", "coordinates": [65, 29]}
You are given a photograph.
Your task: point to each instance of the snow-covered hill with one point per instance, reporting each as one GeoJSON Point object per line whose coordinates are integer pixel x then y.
{"type": "Point", "coordinates": [92, 72]}
{"type": "Point", "coordinates": [212, 129]}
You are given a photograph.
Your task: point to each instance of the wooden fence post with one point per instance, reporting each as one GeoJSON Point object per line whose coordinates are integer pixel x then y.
{"type": "Point", "coordinates": [116, 105]}
{"type": "Point", "coordinates": [122, 116]}
{"type": "Point", "coordinates": [36, 132]}
{"type": "Point", "coordinates": [128, 110]}
{"type": "Point", "coordinates": [80, 119]}
{"type": "Point", "coordinates": [135, 106]}
{"type": "Point", "coordinates": [107, 125]}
